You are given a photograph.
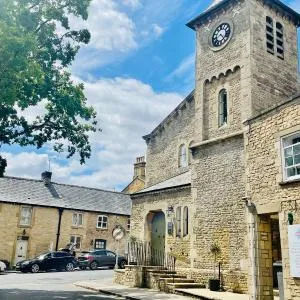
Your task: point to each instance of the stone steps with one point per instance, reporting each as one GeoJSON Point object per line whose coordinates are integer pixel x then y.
{"type": "Point", "coordinates": [171, 287]}
{"type": "Point", "coordinates": [177, 280]}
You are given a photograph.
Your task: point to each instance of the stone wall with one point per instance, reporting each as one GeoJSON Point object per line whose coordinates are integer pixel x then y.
{"type": "Point", "coordinates": [266, 187]}
{"type": "Point", "coordinates": [163, 147]}
{"type": "Point", "coordinates": [218, 183]}
{"type": "Point", "coordinates": [42, 232]}
{"type": "Point", "coordinates": [273, 79]}
{"type": "Point", "coordinates": [232, 83]}
{"type": "Point", "coordinates": [179, 247]}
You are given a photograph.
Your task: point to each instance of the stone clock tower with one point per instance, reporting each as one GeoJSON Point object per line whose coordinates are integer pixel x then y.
{"type": "Point", "coordinates": [248, 50]}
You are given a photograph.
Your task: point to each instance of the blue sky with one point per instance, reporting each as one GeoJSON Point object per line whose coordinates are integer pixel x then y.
{"type": "Point", "coordinates": [137, 68]}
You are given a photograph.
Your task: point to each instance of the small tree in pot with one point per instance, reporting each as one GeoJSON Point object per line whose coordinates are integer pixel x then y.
{"type": "Point", "coordinates": [214, 284]}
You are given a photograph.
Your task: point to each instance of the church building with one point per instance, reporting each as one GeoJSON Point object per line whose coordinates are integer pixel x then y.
{"type": "Point", "coordinates": [223, 168]}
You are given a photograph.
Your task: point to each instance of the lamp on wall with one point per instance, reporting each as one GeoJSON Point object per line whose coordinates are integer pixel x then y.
{"type": "Point", "coordinates": [24, 232]}
{"type": "Point", "coordinates": [170, 210]}
{"type": "Point", "coordinates": [290, 218]}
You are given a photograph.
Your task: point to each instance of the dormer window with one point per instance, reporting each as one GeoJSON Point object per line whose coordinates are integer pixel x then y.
{"type": "Point", "coordinates": [182, 156]}
{"type": "Point", "coordinates": [223, 113]}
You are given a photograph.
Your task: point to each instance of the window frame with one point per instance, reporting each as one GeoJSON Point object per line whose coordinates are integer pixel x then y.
{"type": "Point", "coordinates": [182, 153]}
{"type": "Point", "coordinates": [101, 241]}
{"type": "Point", "coordinates": [270, 40]}
{"type": "Point", "coordinates": [185, 220]}
{"type": "Point", "coordinates": [291, 136]}
{"type": "Point", "coordinates": [76, 237]}
{"type": "Point", "coordinates": [222, 112]}
{"type": "Point", "coordinates": [128, 224]}
{"type": "Point", "coordinates": [102, 222]}
{"type": "Point", "coordinates": [77, 216]}
{"type": "Point", "coordinates": [178, 215]}
{"type": "Point", "coordinates": [21, 216]}
{"type": "Point", "coordinates": [279, 40]}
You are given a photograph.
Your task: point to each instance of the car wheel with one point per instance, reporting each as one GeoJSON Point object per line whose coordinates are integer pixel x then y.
{"type": "Point", "coordinates": [35, 268]}
{"type": "Point", "coordinates": [93, 265]}
{"type": "Point", "coordinates": [122, 264]}
{"type": "Point", "coordinates": [82, 268]}
{"type": "Point", "coordinates": [69, 267]}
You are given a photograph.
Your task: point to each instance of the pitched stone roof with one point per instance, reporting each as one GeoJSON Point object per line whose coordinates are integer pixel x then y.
{"type": "Point", "coordinates": [179, 180]}
{"type": "Point", "coordinates": [276, 4]}
{"type": "Point", "coordinates": [35, 192]}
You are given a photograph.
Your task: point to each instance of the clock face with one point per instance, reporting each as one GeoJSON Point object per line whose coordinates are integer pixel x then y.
{"type": "Point", "coordinates": [221, 35]}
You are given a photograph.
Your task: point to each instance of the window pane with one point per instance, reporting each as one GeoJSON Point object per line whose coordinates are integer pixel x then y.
{"type": "Point", "coordinates": [297, 159]}
{"type": "Point", "coordinates": [80, 219]}
{"type": "Point", "coordinates": [25, 216]}
{"type": "Point", "coordinates": [288, 152]}
{"type": "Point", "coordinates": [75, 219]}
{"type": "Point", "coordinates": [297, 170]}
{"type": "Point", "coordinates": [296, 149]}
{"type": "Point", "coordinates": [289, 161]}
{"type": "Point", "coordinates": [72, 239]}
{"type": "Point", "coordinates": [291, 172]}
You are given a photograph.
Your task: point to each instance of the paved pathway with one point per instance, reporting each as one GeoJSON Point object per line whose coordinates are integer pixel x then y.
{"type": "Point", "coordinates": [53, 285]}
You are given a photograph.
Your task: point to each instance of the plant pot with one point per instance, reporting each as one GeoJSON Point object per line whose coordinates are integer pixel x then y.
{"type": "Point", "coordinates": [214, 284]}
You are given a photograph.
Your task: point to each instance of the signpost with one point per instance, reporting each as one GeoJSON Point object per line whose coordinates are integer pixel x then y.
{"type": "Point", "coordinates": [118, 234]}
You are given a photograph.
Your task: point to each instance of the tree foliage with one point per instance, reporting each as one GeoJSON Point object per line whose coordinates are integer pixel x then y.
{"type": "Point", "coordinates": [37, 45]}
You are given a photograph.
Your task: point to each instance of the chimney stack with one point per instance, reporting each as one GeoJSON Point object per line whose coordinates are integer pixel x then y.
{"type": "Point", "coordinates": [46, 177]}
{"type": "Point", "coordinates": [140, 168]}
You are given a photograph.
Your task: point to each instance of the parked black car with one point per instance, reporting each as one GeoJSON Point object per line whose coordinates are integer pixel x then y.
{"type": "Point", "coordinates": [48, 261]}
{"type": "Point", "coordinates": [100, 258]}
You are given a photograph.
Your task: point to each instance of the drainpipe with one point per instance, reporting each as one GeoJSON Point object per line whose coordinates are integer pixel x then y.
{"type": "Point", "coordinates": [60, 212]}
{"type": "Point", "coordinates": [252, 248]}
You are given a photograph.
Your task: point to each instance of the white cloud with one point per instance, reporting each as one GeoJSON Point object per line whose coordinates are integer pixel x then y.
{"type": "Point", "coordinates": [132, 3]}
{"type": "Point", "coordinates": [158, 31]}
{"type": "Point", "coordinates": [127, 110]}
{"type": "Point", "coordinates": [185, 68]}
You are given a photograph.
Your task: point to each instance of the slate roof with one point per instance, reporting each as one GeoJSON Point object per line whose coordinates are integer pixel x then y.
{"type": "Point", "coordinates": [180, 180]}
{"type": "Point", "coordinates": [35, 192]}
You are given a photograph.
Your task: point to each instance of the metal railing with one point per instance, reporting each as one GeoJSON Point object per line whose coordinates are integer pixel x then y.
{"type": "Point", "coordinates": [143, 254]}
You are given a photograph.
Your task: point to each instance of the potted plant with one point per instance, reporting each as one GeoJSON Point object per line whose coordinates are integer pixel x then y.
{"type": "Point", "coordinates": [214, 283]}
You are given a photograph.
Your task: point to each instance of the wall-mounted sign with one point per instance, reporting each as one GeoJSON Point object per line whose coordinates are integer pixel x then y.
{"type": "Point", "coordinates": [118, 233]}
{"type": "Point", "coordinates": [170, 228]}
{"type": "Point", "coordinates": [294, 249]}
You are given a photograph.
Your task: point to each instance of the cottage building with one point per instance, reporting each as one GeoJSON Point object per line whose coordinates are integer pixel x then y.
{"type": "Point", "coordinates": [39, 215]}
{"type": "Point", "coordinates": [199, 186]}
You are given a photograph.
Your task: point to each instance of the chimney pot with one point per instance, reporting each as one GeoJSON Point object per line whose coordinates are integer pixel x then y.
{"type": "Point", "coordinates": [46, 177]}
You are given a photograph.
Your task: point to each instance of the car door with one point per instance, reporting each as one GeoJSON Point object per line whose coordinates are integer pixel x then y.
{"type": "Point", "coordinates": [101, 257]}
{"type": "Point", "coordinates": [59, 260]}
{"type": "Point", "coordinates": [47, 262]}
{"type": "Point", "coordinates": [111, 258]}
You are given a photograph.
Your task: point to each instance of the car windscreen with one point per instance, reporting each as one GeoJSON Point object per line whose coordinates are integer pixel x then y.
{"type": "Point", "coordinates": [42, 256]}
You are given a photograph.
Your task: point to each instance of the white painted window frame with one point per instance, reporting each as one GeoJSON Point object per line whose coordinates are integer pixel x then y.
{"type": "Point", "coordinates": [76, 224]}
{"type": "Point", "coordinates": [283, 148]}
{"type": "Point", "coordinates": [100, 219]}
{"type": "Point", "coordinates": [21, 223]}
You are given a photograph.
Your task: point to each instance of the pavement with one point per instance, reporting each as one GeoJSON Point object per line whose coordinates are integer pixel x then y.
{"type": "Point", "coordinates": [111, 288]}
{"type": "Point", "coordinates": [147, 294]}
{"type": "Point", "coordinates": [52, 285]}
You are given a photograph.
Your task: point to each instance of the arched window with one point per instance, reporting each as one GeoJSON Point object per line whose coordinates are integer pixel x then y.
{"type": "Point", "coordinates": [185, 221]}
{"type": "Point", "coordinates": [279, 40]}
{"type": "Point", "coordinates": [178, 221]}
{"type": "Point", "coordinates": [182, 156]}
{"type": "Point", "coordinates": [223, 114]}
{"type": "Point", "coordinates": [270, 35]}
